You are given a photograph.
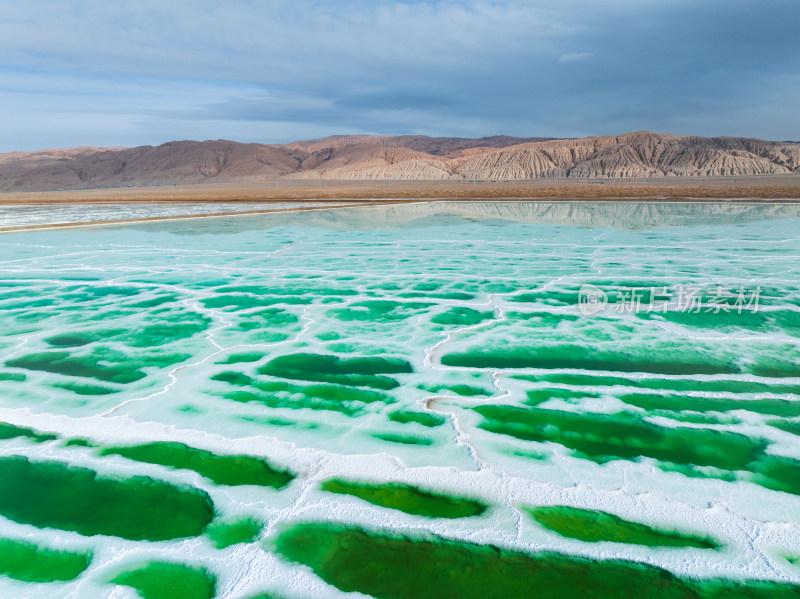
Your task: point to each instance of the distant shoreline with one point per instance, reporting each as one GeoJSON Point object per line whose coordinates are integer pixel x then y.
{"type": "Point", "coordinates": [95, 223]}
{"type": "Point", "coordinates": [334, 204]}
{"type": "Point", "coordinates": [755, 188]}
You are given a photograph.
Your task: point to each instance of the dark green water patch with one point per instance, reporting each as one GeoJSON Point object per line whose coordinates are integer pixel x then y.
{"type": "Point", "coordinates": [242, 357]}
{"type": "Point", "coordinates": [234, 378]}
{"type": "Point", "coordinates": [789, 426]}
{"type": "Point", "coordinates": [462, 390]}
{"type": "Point", "coordinates": [78, 499]}
{"type": "Point", "coordinates": [232, 532]}
{"type": "Point", "coordinates": [423, 418]}
{"type": "Point", "coordinates": [168, 580]}
{"type": "Point", "coordinates": [157, 301]}
{"type": "Point", "coordinates": [777, 473]}
{"type": "Point", "coordinates": [12, 431]}
{"type": "Point", "coordinates": [281, 394]}
{"type": "Point", "coordinates": [81, 366]}
{"type": "Point", "coordinates": [230, 470]}
{"type": "Point", "coordinates": [788, 366]}
{"type": "Point", "coordinates": [104, 291]}
{"type": "Point", "coordinates": [275, 421]}
{"type": "Point", "coordinates": [591, 358]}
{"type": "Point", "coordinates": [538, 396]}
{"type": "Point", "coordinates": [402, 439]}
{"type": "Point", "coordinates": [533, 455]}
{"type": "Point", "coordinates": [462, 317]}
{"type": "Point", "coordinates": [28, 304]}
{"type": "Point", "coordinates": [686, 403]}
{"type": "Point", "coordinates": [293, 403]}
{"type": "Point", "coordinates": [593, 527]}
{"type": "Point", "coordinates": [408, 499]}
{"type": "Point", "coordinates": [723, 386]}
{"type": "Point", "coordinates": [74, 339]}
{"type": "Point", "coordinates": [604, 437]}
{"type": "Point", "coordinates": [391, 566]}
{"type": "Point", "coordinates": [363, 372]}
{"type": "Point", "coordinates": [85, 388]}
{"type": "Point", "coordinates": [78, 442]}
{"type": "Point", "coordinates": [17, 377]}
{"type": "Point", "coordinates": [29, 562]}
{"type": "Point", "coordinates": [714, 418]}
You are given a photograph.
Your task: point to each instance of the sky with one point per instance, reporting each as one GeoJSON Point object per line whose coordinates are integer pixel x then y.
{"type": "Point", "coordinates": [144, 72]}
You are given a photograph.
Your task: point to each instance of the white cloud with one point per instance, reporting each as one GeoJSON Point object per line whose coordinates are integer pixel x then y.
{"type": "Point", "coordinates": [574, 56]}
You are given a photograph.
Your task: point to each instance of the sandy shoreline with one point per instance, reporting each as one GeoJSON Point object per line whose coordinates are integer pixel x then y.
{"type": "Point", "coordinates": [783, 187]}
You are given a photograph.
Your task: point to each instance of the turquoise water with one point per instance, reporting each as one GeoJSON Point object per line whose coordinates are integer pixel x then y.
{"type": "Point", "coordinates": [422, 356]}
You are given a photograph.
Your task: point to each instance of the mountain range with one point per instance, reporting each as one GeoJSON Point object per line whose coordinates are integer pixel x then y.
{"type": "Point", "coordinates": [400, 157]}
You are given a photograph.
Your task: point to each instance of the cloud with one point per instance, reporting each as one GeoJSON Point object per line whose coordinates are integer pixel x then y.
{"type": "Point", "coordinates": [152, 71]}
{"type": "Point", "coordinates": [574, 56]}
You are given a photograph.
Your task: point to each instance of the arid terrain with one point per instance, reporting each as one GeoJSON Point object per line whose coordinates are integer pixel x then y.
{"type": "Point", "coordinates": [450, 161]}
{"type": "Point", "coordinates": [778, 187]}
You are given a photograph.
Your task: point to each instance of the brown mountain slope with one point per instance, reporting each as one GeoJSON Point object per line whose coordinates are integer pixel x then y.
{"type": "Point", "coordinates": [408, 157]}
{"type": "Point", "coordinates": [437, 146]}
{"type": "Point", "coordinates": [640, 154]}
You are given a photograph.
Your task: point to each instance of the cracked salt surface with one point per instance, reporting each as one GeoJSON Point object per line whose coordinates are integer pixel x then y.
{"type": "Point", "coordinates": [175, 321]}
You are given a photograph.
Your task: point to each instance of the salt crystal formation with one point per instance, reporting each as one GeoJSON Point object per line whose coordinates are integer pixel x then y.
{"type": "Point", "coordinates": [404, 401]}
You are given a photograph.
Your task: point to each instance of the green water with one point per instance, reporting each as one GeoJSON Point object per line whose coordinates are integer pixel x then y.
{"type": "Point", "coordinates": [538, 396]}
{"type": "Point", "coordinates": [789, 426]}
{"type": "Point", "coordinates": [587, 358]}
{"type": "Point", "coordinates": [79, 500]}
{"type": "Point", "coordinates": [221, 469]}
{"type": "Point", "coordinates": [463, 390]}
{"type": "Point", "coordinates": [11, 431]}
{"type": "Point", "coordinates": [461, 317]}
{"type": "Point", "coordinates": [226, 533]}
{"type": "Point", "coordinates": [83, 366]}
{"type": "Point", "coordinates": [167, 580]}
{"type": "Point", "coordinates": [408, 499]}
{"type": "Point", "coordinates": [771, 407]}
{"type": "Point", "coordinates": [423, 418]}
{"type": "Point", "coordinates": [403, 439]}
{"type": "Point", "coordinates": [391, 566]}
{"type": "Point", "coordinates": [281, 394]}
{"type": "Point", "coordinates": [357, 372]}
{"type": "Point", "coordinates": [441, 343]}
{"type": "Point", "coordinates": [29, 562]}
{"type": "Point", "coordinates": [242, 357]}
{"type": "Point", "coordinates": [604, 437]}
{"type": "Point", "coordinates": [86, 389]}
{"type": "Point", "coordinates": [594, 526]}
